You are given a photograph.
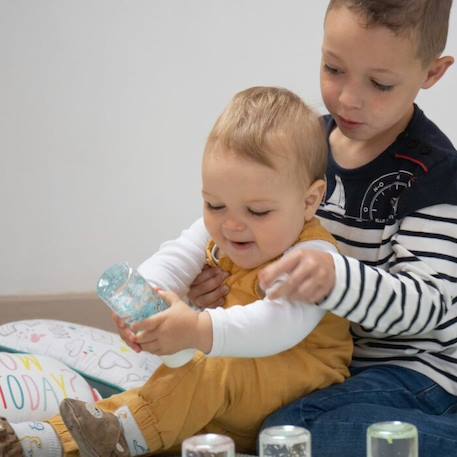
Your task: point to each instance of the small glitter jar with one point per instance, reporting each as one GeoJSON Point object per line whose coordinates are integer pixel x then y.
{"type": "Point", "coordinates": [386, 439]}
{"type": "Point", "coordinates": [209, 445]}
{"type": "Point", "coordinates": [285, 441]}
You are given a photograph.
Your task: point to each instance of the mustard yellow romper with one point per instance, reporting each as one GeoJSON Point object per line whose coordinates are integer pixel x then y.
{"type": "Point", "coordinates": [232, 396]}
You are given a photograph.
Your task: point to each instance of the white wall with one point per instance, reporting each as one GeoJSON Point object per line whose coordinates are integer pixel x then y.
{"type": "Point", "coordinates": [104, 110]}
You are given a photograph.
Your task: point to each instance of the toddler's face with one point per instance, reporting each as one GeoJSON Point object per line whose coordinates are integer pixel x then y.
{"type": "Point", "coordinates": [369, 76]}
{"type": "Point", "coordinates": [252, 212]}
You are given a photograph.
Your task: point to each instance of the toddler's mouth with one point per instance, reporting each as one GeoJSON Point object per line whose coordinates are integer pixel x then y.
{"type": "Point", "coordinates": [241, 244]}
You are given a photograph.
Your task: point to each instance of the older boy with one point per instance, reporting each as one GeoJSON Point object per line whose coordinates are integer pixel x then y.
{"type": "Point", "coordinates": [392, 206]}
{"type": "Point", "coordinates": [263, 170]}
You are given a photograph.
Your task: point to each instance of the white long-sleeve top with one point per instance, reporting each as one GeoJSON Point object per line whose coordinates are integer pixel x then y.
{"type": "Point", "coordinates": [263, 328]}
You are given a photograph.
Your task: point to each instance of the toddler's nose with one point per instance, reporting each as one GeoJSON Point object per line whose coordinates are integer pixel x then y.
{"type": "Point", "coordinates": [233, 225]}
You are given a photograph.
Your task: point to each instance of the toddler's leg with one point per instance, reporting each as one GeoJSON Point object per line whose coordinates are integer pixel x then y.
{"type": "Point", "coordinates": [230, 396]}
{"type": "Point", "coordinates": [111, 427]}
{"type": "Point", "coordinates": [97, 433]}
{"type": "Point", "coordinates": [31, 439]}
{"type": "Point", "coordinates": [173, 405]}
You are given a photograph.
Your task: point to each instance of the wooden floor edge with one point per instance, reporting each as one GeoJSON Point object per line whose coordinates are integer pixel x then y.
{"type": "Point", "coordinates": [48, 298]}
{"type": "Point", "coordinates": [81, 308]}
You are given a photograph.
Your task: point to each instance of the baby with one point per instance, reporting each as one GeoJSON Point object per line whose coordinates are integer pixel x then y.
{"type": "Point", "coordinates": [263, 179]}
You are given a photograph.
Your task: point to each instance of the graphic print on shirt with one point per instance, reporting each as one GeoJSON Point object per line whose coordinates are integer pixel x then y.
{"type": "Point", "coordinates": [376, 202]}
{"type": "Point", "coordinates": [381, 197]}
{"type": "Point", "coordinates": [336, 203]}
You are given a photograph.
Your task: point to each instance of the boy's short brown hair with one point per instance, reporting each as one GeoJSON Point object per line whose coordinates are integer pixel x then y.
{"type": "Point", "coordinates": [426, 20]}
{"type": "Point", "coordinates": [263, 122]}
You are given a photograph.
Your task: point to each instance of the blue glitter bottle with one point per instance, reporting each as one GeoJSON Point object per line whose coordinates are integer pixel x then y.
{"type": "Point", "coordinates": [132, 298]}
{"type": "Point", "coordinates": [128, 294]}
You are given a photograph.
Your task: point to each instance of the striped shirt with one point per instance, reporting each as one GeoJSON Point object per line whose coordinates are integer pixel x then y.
{"type": "Point", "coordinates": [395, 221]}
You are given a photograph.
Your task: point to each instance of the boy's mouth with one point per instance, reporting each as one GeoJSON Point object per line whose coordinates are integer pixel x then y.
{"type": "Point", "coordinates": [348, 123]}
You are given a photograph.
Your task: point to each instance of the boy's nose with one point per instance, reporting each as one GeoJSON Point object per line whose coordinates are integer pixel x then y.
{"type": "Point", "coordinates": [351, 97]}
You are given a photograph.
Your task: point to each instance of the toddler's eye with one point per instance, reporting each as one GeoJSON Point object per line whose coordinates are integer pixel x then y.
{"type": "Point", "coordinates": [331, 70]}
{"type": "Point", "coordinates": [382, 87]}
{"type": "Point", "coordinates": [214, 207]}
{"type": "Point", "coordinates": [259, 213]}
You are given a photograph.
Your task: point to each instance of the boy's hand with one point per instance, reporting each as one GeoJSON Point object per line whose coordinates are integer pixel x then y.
{"type": "Point", "coordinates": [208, 290]}
{"type": "Point", "coordinates": [125, 333]}
{"type": "Point", "coordinates": [177, 328]}
{"type": "Point", "coordinates": [311, 276]}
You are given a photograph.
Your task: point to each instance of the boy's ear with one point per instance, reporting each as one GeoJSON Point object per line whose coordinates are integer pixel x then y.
{"type": "Point", "coordinates": [436, 70]}
{"type": "Point", "coordinates": [313, 198]}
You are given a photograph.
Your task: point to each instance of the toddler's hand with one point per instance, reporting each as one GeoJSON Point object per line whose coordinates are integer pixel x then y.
{"type": "Point", "coordinates": [208, 290]}
{"type": "Point", "coordinates": [178, 327]}
{"type": "Point", "coordinates": [125, 333]}
{"type": "Point", "coordinates": [311, 276]}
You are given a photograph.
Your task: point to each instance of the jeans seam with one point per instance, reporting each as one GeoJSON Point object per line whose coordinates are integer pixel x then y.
{"type": "Point", "coordinates": [427, 389]}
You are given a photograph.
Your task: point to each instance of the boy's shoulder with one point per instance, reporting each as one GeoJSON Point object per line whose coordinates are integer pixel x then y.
{"type": "Point", "coordinates": [425, 137]}
{"type": "Point", "coordinates": [424, 142]}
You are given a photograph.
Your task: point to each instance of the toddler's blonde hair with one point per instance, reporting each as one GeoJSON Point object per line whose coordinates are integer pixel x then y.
{"type": "Point", "coordinates": [263, 122]}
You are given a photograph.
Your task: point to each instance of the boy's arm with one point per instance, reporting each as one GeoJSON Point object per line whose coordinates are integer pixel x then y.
{"type": "Point", "coordinates": [177, 262]}
{"type": "Point", "coordinates": [419, 286]}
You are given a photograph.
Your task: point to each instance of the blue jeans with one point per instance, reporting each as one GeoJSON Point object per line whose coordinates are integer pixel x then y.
{"type": "Point", "coordinates": [338, 416]}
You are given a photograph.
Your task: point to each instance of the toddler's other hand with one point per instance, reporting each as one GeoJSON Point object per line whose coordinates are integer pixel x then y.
{"type": "Point", "coordinates": [311, 276]}
{"type": "Point", "coordinates": [208, 290]}
{"type": "Point", "coordinates": [125, 333]}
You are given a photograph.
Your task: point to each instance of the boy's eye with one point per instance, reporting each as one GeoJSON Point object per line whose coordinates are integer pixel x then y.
{"type": "Point", "coordinates": [214, 207]}
{"type": "Point", "coordinates": [382, 87]}
{"type": "Point", "coordinates": [259, 213]}
{"type": "Point", "coordinates": [331, 70]}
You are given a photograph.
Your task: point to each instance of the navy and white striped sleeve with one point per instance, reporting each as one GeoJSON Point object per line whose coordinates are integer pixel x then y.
{"type": "Point", "coordinates": [414, 291]}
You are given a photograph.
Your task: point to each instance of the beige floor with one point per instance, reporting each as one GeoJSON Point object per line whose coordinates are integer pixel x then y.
{"type": "Point", "coordinates": [84, 309]}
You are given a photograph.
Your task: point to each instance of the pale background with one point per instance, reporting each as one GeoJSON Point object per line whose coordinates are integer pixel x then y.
{"type": "Point", "coordinates": [104, 110]}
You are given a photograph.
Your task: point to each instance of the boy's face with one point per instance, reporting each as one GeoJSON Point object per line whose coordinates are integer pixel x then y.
{"type": "Point", "coordinates": [252, 212]}
{"type": "Point", "coordinates": [369, 76]}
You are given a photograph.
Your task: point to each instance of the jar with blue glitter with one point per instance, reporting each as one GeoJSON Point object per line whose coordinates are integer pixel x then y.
{"type": "Point", "coordinates": [128, 294]}
{"type": "Point", "coordinates": [132, 298]}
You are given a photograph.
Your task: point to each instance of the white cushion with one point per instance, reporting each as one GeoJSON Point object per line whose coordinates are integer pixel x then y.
{"type": "Point", "coordinates": [32, 386]}
{"type": "Point", "coordinates": [99, 356]}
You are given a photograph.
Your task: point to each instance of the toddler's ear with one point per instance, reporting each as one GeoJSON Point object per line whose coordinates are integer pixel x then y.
{"type": "Point", "coordinates": [313, 198]}
{"type": "Point", "coordinates": [436, 70]}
